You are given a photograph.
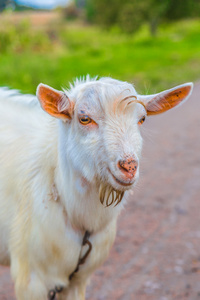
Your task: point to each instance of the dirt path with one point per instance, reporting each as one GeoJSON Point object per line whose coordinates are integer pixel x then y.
{"type": "Point", "coordinates": [156, 255]}
{"type": "Point", "coordinates": [36, 19]}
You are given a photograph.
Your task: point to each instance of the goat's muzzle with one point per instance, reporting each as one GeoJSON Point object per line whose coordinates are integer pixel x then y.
{"type": "Point", "coordinates": [128, 167]}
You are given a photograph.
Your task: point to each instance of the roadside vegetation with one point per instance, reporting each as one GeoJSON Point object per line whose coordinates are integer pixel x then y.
{"type": "Point", "coordinates": [60, 50]}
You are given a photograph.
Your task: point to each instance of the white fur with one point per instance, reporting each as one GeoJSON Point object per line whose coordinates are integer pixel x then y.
{"type": "Point", "coordinates": [49, 184]}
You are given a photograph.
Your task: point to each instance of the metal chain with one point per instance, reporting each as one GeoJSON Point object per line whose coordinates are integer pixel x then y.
{"type": "Point", "coordinates": [58, 289]}
{"type": "Point", "coordinates": [52, 293]}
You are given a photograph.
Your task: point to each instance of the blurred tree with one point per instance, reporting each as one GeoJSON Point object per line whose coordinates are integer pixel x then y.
{"type": "Point", "coordinates": [179, 9]}
{"type": "Point", "coordinates": [129, 15]}
{"type": "Point", "coordinates": [71, 11]}
{"type": "Point", "coordinates": [103, 12]}
{"type": "Point", "coordinates": [80, 3]}
{"type": "Point", "coordinates": [3, 4]}
{"type": "Point", "coordinates": [154, 13]}
{"type": "Point", "coordinates": [90, 11]}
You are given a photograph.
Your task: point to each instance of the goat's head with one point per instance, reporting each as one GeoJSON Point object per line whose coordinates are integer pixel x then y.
{"type": "Point", "coordinates": [100, 129]}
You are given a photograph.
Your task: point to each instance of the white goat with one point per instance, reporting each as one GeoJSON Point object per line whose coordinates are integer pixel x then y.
{"type": "Point", "coordinates": [66, 175]}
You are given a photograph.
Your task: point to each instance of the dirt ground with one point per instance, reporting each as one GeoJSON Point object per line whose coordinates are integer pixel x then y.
{"type": "Point", "coordinates": [156, 254]}
{"type": "Point", "coordinates": [36, 19]}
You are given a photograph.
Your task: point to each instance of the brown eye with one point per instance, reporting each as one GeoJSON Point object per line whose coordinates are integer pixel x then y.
{"type": "Point", "coordinates": [84, 120]}
{"type": "Point", "coordinates": [141, 120]}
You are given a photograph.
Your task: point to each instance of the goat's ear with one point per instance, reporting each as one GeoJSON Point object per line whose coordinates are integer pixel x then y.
{"type": "Point", "coordinates": [159, 103]}
{"type": "Point", "coordinates": [55, 103]}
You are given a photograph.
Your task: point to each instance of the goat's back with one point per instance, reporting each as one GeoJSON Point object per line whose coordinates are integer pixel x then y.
{"type": "Point", "coordinates": [23, 152]}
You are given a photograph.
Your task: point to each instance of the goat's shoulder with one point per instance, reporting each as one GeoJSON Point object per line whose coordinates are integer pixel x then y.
{"type": "Point", "coordinates": [14, 97]}
{"type": "Point", "coordinates": [16, 109]}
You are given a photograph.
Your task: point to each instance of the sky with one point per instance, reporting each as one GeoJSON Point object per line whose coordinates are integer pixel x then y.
{"type": "Point", "coordinates": [49, 4]}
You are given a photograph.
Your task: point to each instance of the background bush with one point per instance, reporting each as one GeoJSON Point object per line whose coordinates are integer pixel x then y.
{"type": "Point", "coordinates": [129, 15]}
{"type": "Point", "coordinates": [58, 51]}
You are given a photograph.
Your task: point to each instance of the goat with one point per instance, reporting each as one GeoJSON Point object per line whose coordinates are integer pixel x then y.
{"type": "Point", "coordinates": [66, 171]}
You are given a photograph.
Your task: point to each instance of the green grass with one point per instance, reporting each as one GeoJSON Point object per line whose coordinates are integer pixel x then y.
{"type": "Point", "coordinates": [56, 55]}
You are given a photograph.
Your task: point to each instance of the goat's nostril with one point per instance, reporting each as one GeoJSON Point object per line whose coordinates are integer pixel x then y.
{"type": "Point", "coordinates": [128, 166]}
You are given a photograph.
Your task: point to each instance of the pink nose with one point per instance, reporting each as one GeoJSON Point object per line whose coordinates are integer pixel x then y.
{"type": "Point", "coordinates": [128, 167]}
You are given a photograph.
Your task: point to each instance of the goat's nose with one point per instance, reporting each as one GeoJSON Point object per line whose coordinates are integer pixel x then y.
{"type": "Point", "coordinates": [128, 166]}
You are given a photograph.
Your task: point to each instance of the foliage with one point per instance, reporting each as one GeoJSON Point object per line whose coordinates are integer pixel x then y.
{"type": "Point", "coordinates": [71, 11]}
{"type": "Point", "coordinates": [3, 4]}
{"type": "Point", "coordinates": [19, 38]}
{"type": "Point", "coordinates": [57, 54]}
{"type": "Point", "coordinates": [103, 13]}
{"type": "Point", "coordinates": [179, 9]}
{"type": "Point", "coordinates": [129, 15]}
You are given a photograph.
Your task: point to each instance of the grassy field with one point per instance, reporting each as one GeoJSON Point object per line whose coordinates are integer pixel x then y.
{"type": "Point", "coordinates": [56, 52]}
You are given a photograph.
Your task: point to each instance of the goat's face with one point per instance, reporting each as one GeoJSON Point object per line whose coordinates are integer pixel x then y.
{"type": "Point", "coordinates": [101, 128]}
{"type": "Point", "coordinates": [107, 143]}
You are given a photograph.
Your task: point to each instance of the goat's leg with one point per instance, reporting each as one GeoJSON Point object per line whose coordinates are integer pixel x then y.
{"type": "Point", "coordinates": [28, 285]}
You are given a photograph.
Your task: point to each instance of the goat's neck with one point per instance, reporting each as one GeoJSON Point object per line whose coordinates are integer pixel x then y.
{"type": "Point", "coordinates": [80, 199]}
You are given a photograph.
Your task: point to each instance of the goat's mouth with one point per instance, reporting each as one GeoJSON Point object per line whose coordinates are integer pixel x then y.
{"type": "Point", "coordinates": [122, 183]}
{"type": "Point", "coordinates": [113, 192]}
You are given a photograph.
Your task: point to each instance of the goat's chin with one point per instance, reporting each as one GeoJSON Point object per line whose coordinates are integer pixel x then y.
{"type": "Point", "coordinates": [109, 195]}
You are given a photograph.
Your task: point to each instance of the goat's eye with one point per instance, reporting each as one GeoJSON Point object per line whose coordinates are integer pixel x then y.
{"type": "Point", "coordinates": [141, 120]}
{"type": "Point", "coordinates": [84, 120]}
